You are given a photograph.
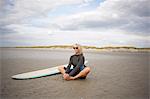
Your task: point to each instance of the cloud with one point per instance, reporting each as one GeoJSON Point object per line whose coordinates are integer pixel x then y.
{"type": "Point", "coordinates": [31, 8]}
{"type": "Point", "coordinates": [45, 22]}
{"type": "Point", "coordinates": [130, 16]}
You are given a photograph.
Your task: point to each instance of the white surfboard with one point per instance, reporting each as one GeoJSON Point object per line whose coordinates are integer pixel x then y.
{"type": "Point", "coordinates": [40, 73]}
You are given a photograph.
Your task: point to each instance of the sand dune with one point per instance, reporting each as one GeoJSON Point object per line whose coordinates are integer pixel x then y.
{"type": "Point", "coordinates": [106, 48]}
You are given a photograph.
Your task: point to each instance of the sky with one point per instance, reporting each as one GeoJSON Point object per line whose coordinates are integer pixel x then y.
{"type": "Point", "coordinates": [65, 22]}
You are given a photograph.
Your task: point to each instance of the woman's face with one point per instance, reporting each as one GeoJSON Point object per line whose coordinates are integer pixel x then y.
{"type": "Point", "coordinates": [76, 49]}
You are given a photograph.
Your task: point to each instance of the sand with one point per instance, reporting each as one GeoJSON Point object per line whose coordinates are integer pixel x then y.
{"type": "Point", "coordinates": [114, 75]}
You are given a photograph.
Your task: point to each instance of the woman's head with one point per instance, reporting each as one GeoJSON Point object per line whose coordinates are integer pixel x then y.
{"type": "Point", "coordinates": [77, 48]}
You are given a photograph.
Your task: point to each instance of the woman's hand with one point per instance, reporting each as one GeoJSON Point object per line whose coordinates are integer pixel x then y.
{"type": "Point", "coordinates": [66, 76]}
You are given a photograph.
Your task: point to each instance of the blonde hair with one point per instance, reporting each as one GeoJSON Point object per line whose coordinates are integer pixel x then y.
{"type": "Point", "coordinates": [79, 47]}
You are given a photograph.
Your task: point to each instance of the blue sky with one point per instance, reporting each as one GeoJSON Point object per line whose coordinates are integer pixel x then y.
{"type": "Point", "coordinates": [88, 22]}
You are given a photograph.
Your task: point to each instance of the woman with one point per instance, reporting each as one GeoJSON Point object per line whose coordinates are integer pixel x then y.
{"type": "Point", "coordinates": [79, 69]}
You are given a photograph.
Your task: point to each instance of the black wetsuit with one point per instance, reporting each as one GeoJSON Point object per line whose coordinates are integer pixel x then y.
{"type": "Point", "coordinates": [78, 64]}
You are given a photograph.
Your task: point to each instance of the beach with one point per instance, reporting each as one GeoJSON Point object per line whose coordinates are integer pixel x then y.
{"type": "Point", "coordinates": [114, 75]}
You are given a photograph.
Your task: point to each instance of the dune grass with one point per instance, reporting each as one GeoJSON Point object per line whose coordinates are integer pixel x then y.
{"type": "Point", "coordinates": [90, 47]}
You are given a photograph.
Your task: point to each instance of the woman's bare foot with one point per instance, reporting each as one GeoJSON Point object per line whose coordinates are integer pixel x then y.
{"type": "Point", "coordinates": [72, 78]}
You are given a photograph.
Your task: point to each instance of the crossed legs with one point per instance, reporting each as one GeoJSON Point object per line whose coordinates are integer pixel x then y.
{"type": "Point", "coordinates": [83, 73]}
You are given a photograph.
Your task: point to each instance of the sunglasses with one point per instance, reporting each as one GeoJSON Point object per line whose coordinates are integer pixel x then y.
{"type": "Point", "coordinates": [75, 47]}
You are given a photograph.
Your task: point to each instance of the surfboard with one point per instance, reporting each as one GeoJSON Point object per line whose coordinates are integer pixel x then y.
{"type": "Point", "coordinates": [40, 73]}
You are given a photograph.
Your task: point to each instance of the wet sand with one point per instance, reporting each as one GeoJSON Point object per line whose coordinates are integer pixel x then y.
{"type": "Point", "coordinates": [114, 75]}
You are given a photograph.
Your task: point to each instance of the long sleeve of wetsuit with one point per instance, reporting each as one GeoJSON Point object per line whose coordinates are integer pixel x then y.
{"type": "Point", "coordinates": [76, 70]}
{"type": "Point", "coordinates": [69, 66]}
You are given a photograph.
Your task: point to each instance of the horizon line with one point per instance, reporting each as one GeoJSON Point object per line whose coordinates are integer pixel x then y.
{"type": "Point", "coordinates": [69, 45]}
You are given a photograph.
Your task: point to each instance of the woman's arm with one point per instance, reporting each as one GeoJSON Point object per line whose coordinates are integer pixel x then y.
{"type": "Point", "coordinates": [81, 61]}
{"type": "Point", "coordinates": [69, 66]}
